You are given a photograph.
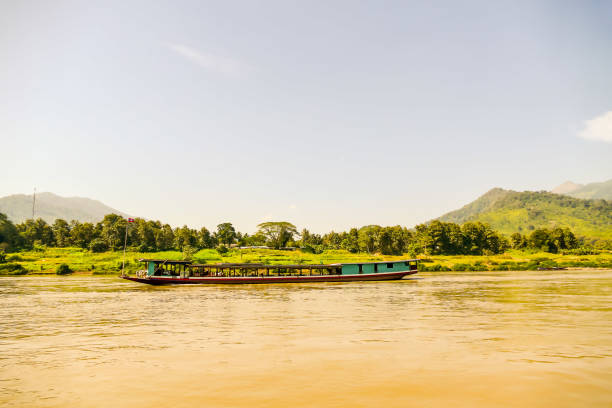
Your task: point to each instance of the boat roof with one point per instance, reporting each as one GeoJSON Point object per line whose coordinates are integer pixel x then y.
{"type": "Point", "coordinates": [379, 262]}
{"type": "Point", "coordinates": [260, 265]}
{"type": "Point", "coordinates": [166, 261]}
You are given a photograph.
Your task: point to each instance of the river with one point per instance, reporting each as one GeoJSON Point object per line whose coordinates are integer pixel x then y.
{"type": "Point", "coordinates": [469, 339]}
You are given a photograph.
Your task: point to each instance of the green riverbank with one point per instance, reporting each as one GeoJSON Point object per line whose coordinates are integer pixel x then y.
{"type": "Point", "coordinates": [45, 261]}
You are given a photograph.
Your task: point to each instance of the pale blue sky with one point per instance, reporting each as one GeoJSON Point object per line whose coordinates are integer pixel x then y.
{"type": "Point", "coordinates": [326, 114]}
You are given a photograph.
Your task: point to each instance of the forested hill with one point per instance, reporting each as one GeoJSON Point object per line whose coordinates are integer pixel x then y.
{"type": "Point", "coordinates": [49, 207]}
{"type": "Point", "coordinates": [510, 211]}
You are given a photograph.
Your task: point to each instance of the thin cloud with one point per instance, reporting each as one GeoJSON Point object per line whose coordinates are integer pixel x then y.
{"type": "Point", "coordinates": [599, 128]}
{"type": "Point", "coordinates": [216, 63]}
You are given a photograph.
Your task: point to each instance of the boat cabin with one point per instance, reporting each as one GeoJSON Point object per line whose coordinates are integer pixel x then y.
{"type": "Point", "coordinates": [379, 267]}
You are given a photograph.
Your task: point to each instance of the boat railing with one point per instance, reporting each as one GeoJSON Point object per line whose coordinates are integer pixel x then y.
{"type": "Point", "coordinates": [255, 270]}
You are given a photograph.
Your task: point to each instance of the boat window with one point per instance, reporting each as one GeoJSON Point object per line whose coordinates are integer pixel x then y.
{"type": "Point", "coordinates": [390, 265]}
{"type": "Point", "coordinates": [360, 268]}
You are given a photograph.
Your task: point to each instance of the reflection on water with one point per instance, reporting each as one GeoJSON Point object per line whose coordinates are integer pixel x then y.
{"type": "Point", "coordinates": [460, 339]}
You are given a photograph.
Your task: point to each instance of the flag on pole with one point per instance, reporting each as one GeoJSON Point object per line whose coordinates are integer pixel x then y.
{"type": "Point", "coordinates": [130, 220]}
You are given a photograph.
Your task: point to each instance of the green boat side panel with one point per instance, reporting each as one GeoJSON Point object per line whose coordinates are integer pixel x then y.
{"type": "Point", "coordinates": [151, 268]}
{"type": "Point", "coordinates": [368, 268]}
{"type": "Point", "coordinates": [353, 269]}
{"type": "Point", "coordinates": [393, 267]}
{"type": "Point", "coordinates": [350, 269]}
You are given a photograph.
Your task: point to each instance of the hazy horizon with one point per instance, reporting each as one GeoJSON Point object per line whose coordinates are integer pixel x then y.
{"type": "Point", "coordinates": [327, 115]}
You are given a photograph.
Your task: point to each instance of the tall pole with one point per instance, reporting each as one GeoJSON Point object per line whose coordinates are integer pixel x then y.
{"type": "Point", "coordinates": [33, 202]}
{"type": "Point", "coordinates": [124, 245]}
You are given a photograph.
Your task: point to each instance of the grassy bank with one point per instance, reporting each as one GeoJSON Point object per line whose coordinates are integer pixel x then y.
{"type": "Point", "coordinates": [47, 260]}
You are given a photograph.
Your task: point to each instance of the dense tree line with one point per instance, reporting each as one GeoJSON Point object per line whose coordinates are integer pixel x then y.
{"type": "Point", "coordinates": [554, 240]}
{"type": "Point", "coordinates": [434, 238]}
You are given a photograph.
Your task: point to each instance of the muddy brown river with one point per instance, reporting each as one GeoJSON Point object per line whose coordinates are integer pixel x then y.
{"type": "Point", "coordinates": [469, 339]}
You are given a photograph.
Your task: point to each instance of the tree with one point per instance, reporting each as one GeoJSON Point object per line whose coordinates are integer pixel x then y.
{"type": "Point", "coordinates": [540, 239]}
{"type": "Point", "coordinates": [310, 240]}
{"type": "Point", "coordinates": [424, 240]}
{"type": "Point", "coordinates": [9, 235]}
{"type": "Point", "coordinates": [61, 232]}
{"type": "Point", "coordinates": [36, 232]}
{"type": "Point", "coordinates": [81, 234]}
{"type": "Point", "coordinates": [226, 233]}
{"type": "Point", "coordinates": [205, 239]}
{"type": "Point", "coordinates": [113, 230]}
{"type": "Point", "coordinates": [385, 242]}
{"type": "Point", "coordinates": [368, 237]}
{"type": "Point", "coordinates": [185, 236]}
{"type": "Point", "coordinates": [332, 240]}
{"type": "Point", "coordinates": [518, 241]}
{"type": "Point", "coordinates": [164, 238]}
{"type": "Point", "coordinates": [144, 235]}
{"type": "Point", "coordinates": [277, 233]}
{"type": "Point", "coordinates": [351, 241]}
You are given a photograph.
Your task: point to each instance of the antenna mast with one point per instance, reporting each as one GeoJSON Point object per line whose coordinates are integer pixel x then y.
{"type": "Point", "coordinates": [33, 202]}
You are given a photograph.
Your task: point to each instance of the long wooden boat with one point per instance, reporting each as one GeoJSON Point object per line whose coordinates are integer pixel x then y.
{"type": "Point", "coordinates": [162, 272]}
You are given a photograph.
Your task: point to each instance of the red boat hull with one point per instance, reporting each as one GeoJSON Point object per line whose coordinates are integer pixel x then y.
{"type": "Point", "coordinates": [272, 279]}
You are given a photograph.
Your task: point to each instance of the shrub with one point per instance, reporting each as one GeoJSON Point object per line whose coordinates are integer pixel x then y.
{"type": "Point", "coordinates": [12, 269]}
{"type": "Point", "coordinates": [63, 269]}
{"type": "Point", "coordinates": [500, 267]}
{"type": "Point", "coordinates": [97, 245]}
{"type": "Point", "coordinates": [222, 249]}
{"type": "Point", "coordinates": [2, 257]}
{"type": "Point", "coordinates": [13, 258]}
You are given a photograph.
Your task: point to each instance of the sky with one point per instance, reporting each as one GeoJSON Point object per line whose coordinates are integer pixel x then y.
{"type": "Point", "coordinates": [327, 114]}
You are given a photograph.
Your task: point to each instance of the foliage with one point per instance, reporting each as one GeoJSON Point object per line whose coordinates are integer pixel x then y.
{"type": "Point", "coordinates": [226, 233]}
{"type": "Point", "coordinates": [434, 238]}
{"type": "Point", "coordinates": [98, 245]}
{"type": "Point", "coordinates": [277, 233]}
{"type": "Point", "coordinates": [63, 269]}
{"type": "Point", "coordinates": [188, 252]}
{"type": "Point", "coordinates": [12, 269]}
{"type": "Point", "coordinates": [9, 235]}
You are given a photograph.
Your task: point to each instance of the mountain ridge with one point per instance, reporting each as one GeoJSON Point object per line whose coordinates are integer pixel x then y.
{"type": "Point", "coordinates": [566, 187]}
{"type": "Point", "coordinates": [587, 191]}
{"type": "Point", "coordinates": [511, 211]}
{"type": "Point", "coordinates": [50, 206]}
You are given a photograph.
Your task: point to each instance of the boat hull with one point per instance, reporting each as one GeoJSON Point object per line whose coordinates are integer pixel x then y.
{"type": "Point", "coordinates": [270, 279]}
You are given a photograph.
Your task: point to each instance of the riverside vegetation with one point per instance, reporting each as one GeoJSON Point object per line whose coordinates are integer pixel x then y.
{"type": "Point", "coordinates": [34, 246]}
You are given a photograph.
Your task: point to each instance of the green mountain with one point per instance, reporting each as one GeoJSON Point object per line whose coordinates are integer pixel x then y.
{"type": "Point", "coordinates": [588, 191]}
{"type": "Point", "coordinates": [511, 211]}
{"type": "Point", "coordinates": [49, 207]}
